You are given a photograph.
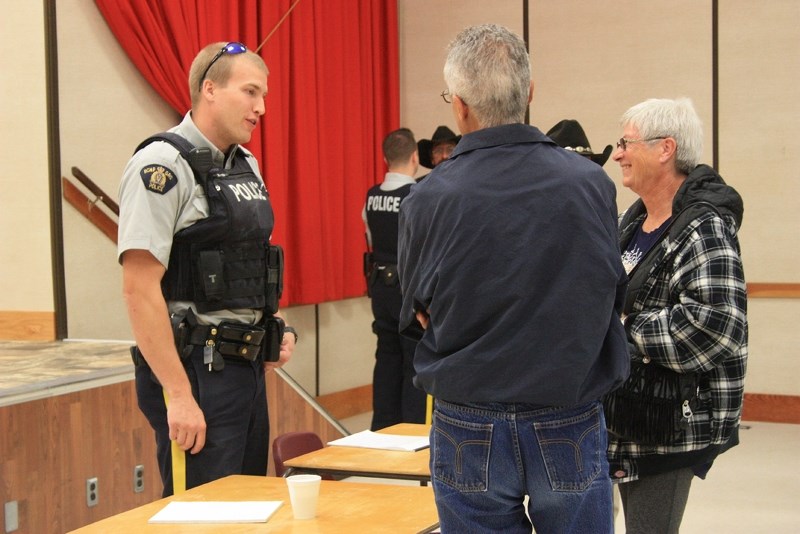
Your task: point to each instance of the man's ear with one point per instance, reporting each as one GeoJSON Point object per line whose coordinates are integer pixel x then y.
{"type": "Point", "coordinates": [530, 93]}
{"type": "Point", "coordinates": [461, 109]}
{"type": "Point", "coordinates": [207, 89]}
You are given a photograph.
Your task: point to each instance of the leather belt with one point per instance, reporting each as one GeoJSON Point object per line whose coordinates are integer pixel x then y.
{"type": "Point", "coordinates": [229, 339]}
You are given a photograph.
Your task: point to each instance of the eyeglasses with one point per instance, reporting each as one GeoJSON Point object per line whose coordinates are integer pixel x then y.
{"type": "Point", "coordinates": [444, 149]}
{"type": "Point", "coordinates": [623, 143]}
{"type": "Point", "coordinates": [447, 96]}
{"type": "Point", "coordinates": [230, 48]}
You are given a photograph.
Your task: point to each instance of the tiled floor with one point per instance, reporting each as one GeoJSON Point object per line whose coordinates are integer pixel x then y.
{"type": "Point", "coordinates": [752, 489]}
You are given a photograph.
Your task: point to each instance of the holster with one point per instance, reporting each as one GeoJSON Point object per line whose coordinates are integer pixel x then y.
{"type": "Point", "coordinates": [274, 287]}
{"type": "Point", "coordinates": [136, 356]}
{"type": "Point", "coordinates": [273, 336]}
{"type": "Point", "coordinates": [180, 333]}
{"type": "Point", "coordinates": [369, 270]}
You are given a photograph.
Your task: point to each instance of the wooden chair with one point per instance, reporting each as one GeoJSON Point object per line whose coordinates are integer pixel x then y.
{"type": "Point", "coordinates": [291, 445]}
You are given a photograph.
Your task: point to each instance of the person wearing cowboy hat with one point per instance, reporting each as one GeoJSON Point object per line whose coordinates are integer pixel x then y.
{"type": "Point", "coordinates": [569, 135]}
{"type": "Point", "coordinates": [438, 148]}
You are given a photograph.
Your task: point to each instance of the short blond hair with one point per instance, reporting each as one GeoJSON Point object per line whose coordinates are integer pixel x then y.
{"type": "Point", "coordinates": [220, 71]}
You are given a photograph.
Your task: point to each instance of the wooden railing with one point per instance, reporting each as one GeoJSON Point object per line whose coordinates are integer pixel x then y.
{"type": "Point", "coordinates": [88, 207]}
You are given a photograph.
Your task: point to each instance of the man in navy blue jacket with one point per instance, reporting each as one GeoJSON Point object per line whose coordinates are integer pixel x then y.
{"type": "Point", "coordinates": [509, 263]}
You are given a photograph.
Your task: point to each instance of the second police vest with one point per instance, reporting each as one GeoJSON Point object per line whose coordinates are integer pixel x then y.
{"type": "Point", "coordinates": [224, 261]}
{"type": "Point", "coordinates": [383, 211]}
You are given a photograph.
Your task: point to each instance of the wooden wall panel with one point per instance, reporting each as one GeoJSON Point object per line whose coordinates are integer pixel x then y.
{"type": "Point", "coordinates": [49, 447]}
{"type": "Point", "coordinates": [27, 325]}
{"type": "Point", "coordinates": [771, 408]}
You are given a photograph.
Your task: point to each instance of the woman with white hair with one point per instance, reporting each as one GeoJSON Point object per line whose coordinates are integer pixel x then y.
{"type": "Point", "coordinates": [685, 317]}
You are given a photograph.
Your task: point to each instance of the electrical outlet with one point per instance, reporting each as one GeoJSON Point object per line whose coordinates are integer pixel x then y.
{"type": "Point", "coordinates": [12, 516]}
{"type": "Point", "coordinates": [138, 479]}
{"type": "Point", "coordinates": [92, 494]}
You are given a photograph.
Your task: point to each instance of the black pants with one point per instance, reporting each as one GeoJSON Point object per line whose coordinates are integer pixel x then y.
{"type": "Point", "coordinates": [234, 404]}
{"type": "Point", "coordinates": [394, 397]}
{"type": "Point", "coordinates": [656, 503]}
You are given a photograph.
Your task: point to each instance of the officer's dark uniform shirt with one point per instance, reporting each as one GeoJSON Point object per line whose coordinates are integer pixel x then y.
{"type": "Point", "coordinates": [512, 246]}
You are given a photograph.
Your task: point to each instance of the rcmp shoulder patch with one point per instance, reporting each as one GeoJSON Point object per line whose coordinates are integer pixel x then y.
{"type": "Point", "coordinates": [158, 178]}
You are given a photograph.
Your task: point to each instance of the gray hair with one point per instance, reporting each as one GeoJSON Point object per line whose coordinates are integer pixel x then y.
{"type": "Point", "coordinates": [661, 117]}
{"type": "Point", "coordinates": [220, 71]}
{"type": "Point", "coordinates": [489, 69]}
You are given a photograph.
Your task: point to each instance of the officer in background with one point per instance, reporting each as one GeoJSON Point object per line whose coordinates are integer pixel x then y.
{"type": "Point", "coordinates": [394, 397]}
{"type": "Point", "coordinates": [202, 306]}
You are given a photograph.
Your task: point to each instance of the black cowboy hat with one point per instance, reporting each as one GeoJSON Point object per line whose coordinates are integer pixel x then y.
{"type": "Point", "coordinates": [569, 134]}
{"type": "Point", "coordinates": [443, 134]}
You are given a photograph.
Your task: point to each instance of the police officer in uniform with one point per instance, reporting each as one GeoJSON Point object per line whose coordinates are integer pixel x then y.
{"type": "Point", "coordinates": [199, 277]}
{"type": "Point", "coordinates": [394, 397]}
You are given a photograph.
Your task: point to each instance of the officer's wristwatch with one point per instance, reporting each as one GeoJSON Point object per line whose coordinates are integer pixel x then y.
{"type": "Point", "coordinates": [291, 330]}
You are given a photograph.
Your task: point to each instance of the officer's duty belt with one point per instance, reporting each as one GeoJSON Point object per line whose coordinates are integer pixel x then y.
{"type": "Point", "coordinates": [386, 272]}
{"type": "Point", "coordinates": [229, 339]}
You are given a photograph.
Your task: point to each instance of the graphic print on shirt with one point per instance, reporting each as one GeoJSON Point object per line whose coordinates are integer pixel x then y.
{"type": "Point", "coordinates": [631, 257]}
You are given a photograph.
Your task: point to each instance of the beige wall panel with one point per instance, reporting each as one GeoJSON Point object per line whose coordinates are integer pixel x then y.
{"type": "Point", "coordinates": [302, 366]}
{"type": "Point", "coordinates": [773, 365]}
{"type": "Point", "coordinates": [593, 60]}
{"type": "Point", "coordinates": [759, 58]}
{"type": "Point", "coordinates": [347, 344]}
{"type": "Point", "coordinates": [25, 214]}
{"type": "Point", "coordinates": [759, 130]}
{"type": "Point", "coordinates": [106, 108]}
{"type": "Point", "coordinates": [426, 27]}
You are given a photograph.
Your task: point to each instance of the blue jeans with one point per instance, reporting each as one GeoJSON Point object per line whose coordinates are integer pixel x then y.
{"type": "Point", "coordinates": [485, 458]}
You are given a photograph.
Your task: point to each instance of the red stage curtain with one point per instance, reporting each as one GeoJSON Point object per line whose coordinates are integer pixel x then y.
{"type": "Point", "coordinates": [333, 96]}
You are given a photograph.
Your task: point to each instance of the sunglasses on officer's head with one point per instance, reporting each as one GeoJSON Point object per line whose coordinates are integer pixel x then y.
{"type": "Point", "coordinates": [230, 48]}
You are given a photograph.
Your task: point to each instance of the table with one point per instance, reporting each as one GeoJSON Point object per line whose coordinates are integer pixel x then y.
{"type": "Point", "coordinates": [342, 507]}
{"type": "Point", "coordinates": [355, 461]}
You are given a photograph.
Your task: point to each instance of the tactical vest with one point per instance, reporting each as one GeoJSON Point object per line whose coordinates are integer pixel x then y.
{"type": "Point", "coordinates": [224, 261]}
{"type": "Point", "coordinates": [383, 209]}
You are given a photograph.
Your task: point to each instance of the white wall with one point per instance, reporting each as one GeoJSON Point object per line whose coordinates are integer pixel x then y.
{"type": "Point", "coordinates": [106, 108]}
{"type": "Point", "coordinates": [25, 268]}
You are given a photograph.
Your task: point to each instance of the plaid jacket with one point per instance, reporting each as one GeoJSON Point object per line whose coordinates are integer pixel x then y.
{"type": "Point", "coordinates": [691, 316]}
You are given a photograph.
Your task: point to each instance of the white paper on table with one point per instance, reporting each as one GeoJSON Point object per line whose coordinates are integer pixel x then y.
{"type": "Point", "coordinates": [216, 512]}
{"type": "Point", "coordinates": [374, 440]}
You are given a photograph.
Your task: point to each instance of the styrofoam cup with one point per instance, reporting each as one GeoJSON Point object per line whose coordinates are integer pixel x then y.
{"type": "Point", "coordinates": [304, 493]}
